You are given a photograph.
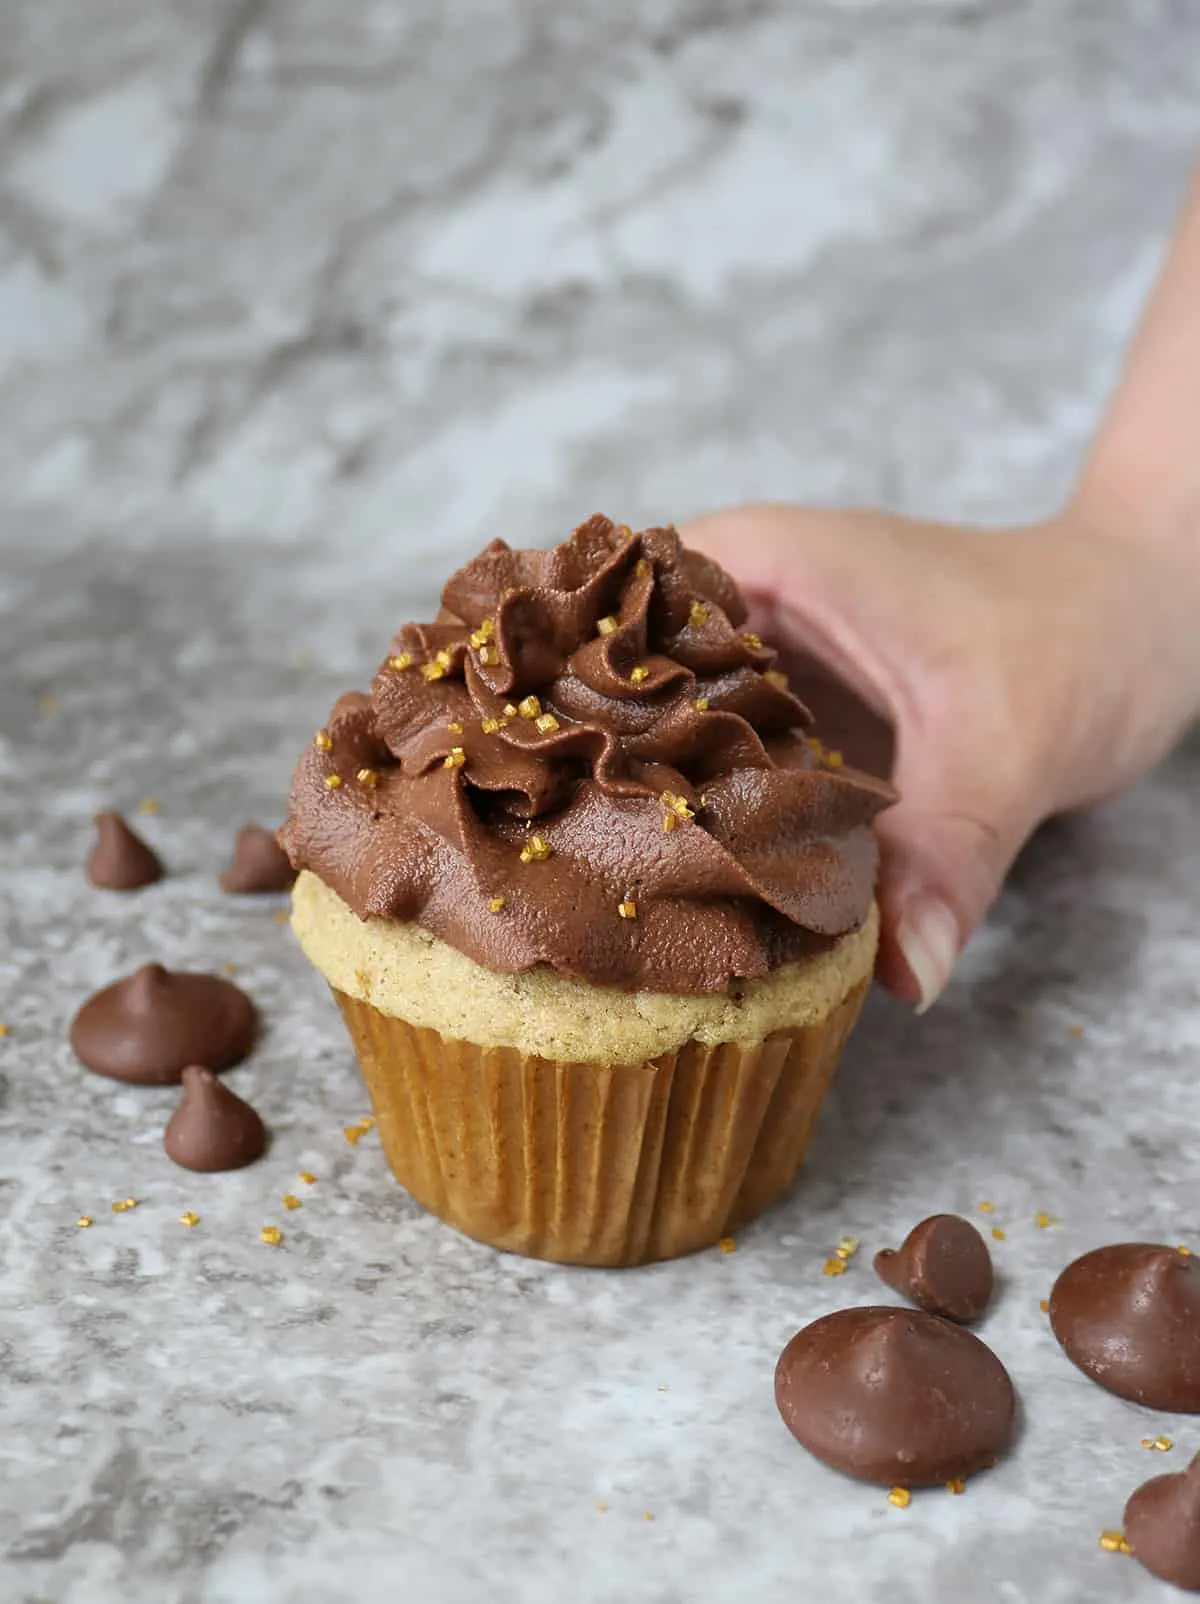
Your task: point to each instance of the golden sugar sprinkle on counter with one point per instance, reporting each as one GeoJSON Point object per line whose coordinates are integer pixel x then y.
{"type": "Point", "coordinates": [124, 1205]}
{"type": "Point", "coordinates": [727, 1244]}
{"type": "Point", "coordinates": [83, 1221]}
{"type": "Point", "coordinates": [290, 1200]}
{"type": "Point", "coordinates": [189, 1219]}
{"type": "Point", "coordinates": [900, 1497]}
{"type": "Point", "coordinates": [271, 1235]}
{"type": "Point", "coordinates": [307, 1177]}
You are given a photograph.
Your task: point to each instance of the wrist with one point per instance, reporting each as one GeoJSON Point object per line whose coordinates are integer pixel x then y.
{"type": "Point", "coordinates": [1126, 600]}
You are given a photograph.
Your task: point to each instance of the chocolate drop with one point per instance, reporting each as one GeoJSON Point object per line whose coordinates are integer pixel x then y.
{"type": "Point", "coordinates": [212, 1128]}
{"type": "Point", "coordinates": [259, 863]}
{"type": "Point", "coordinates": [943, 1266]}
{"type": "Point", "coordinates": [148, 1027]}
{"type": "Point", "coordinates": [1129, 1316]}
{"type": "Point", "coordinates": [1162, 1526]}
{"type": "Point", "coordinates": [895, 1396]}
{"type": "Point", "coordinates": [120, 860]}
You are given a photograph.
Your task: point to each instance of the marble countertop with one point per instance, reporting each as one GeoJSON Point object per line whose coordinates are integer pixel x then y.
{"type": "Point", "coordinates": [298, 302]}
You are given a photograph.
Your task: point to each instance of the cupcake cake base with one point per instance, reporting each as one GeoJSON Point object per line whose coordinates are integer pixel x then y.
{"type": "Point", "coordinates": [592, 1127]}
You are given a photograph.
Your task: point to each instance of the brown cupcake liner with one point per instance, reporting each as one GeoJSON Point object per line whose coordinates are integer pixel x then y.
{"type": "Point", "coordinates": [591, 1163]}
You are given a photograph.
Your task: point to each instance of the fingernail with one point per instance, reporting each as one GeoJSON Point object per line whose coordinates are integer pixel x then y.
{"type": "Point", "coordinates": [927, 935]}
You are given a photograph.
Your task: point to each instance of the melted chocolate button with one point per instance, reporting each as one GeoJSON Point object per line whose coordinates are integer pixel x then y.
{"type": "Point", "coordinates": [943, 1266]}
{"type": "Point", "coordinates": [259, 863]}
{"type": "Point", "coordinates": [895, 1396]}
{"type": "Point", "coordinates": [1129, 1317]}
{"type": "Point", "coordinates": [1162, 1526]}
{"type": "Point", "coordinates": [148, 1027]}
{"type": "Point", "coordinates": [120, 860]}
{"type": "Point", "coordinates": [213, 1128]}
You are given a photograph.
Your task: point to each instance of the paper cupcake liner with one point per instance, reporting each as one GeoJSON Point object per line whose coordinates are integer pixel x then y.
{"type": "Point", "coordinates": [589, 1163]}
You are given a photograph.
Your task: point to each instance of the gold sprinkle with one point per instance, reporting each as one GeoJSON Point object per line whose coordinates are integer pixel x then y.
{"type": "Point", "coordinates": [443, 657]}
{"type": "Point", "coordinates": [529, 707]}
{"type": "Point", "coordinates": [367, 777]}
{"type": "Point", "coordinates": [1164, 1444]}
{"type": "Point", "coordinates": [547, 723]}
{"type": "Point", "coordinates": [290, 1200]}
{"type": "Point", "coordinates": [281, 916]}
{"type": "Point", "coordinates": [627, 909]}
{"type": "Point", "coordinates": [509, 710]}
{"type": "Point", "coordinates": [124, 1204]}
{"type": "Point", "coordinates": [484, 633]}
{"type": "Point", "coordinates": [148, 804]}
{"type": "Point", "coordinates": [401, 661]}
{"type": "Point", "coordinates": [1043, 1221]}
{"type": "Point", "coordinates": [601, 1507]}
{"type": "Point", "coordinates": [987, 1207]}
{"type": "Point", "coordinates": [727, 1244]}
{"type": "Point", "coordinates": [817, 745]}
{"type": "Point", "coordinates": [488, 656]}
{"type": "Point", "coordinates": [752, 640]}
{"type": "Point", "coordinates": [307, 1177]}
{"type": "Point", "coordinates": [642, 567]}
{"type": "Point", "coordinates": [900, 1497]}
{"type": "Point", "coordinates": [432, 671]}
{"type": "Point", "coordinates": [678, 805]}
{"type": "Point", "coordinates": [847, 1247]}
{"type": "Point", "coordinates": [455, 758]}
{"type": "Point", "coordinates": [332, 781]}
{"type": "Point", "coordinates": [454, 727]}
{"type": "Point", "coordinates": [639, 673]}
{"type": "Point", "coordinates": [535, 850]}
{"type": "Point", "coordinates": [1076, 1032]}
{"type": "Point", "coordinates": [698, 613]}
{"type": "Point", "coordinates": [834, 1266]}
{"type": "Point", "coordinates": [1044, 1305]}
{"type": "Point", "coordinates": [774, 677]}
{"type": "Point", "coordinates": [701, 704]}
{"type": "Point", "coordinates": [647, 1514]}
{"type": "Point", "coordinates": [491, 726]}
{"type": "Point", "coordinates": [367, 1123]}
{"type": "Point", "coordinates": [4, 1030]}
{"type": "Point", "coordinates": [47, 704]}
{"type": "Point", "coordinates": [1187, 1252]}
{"type": "Point", "coordinates": [834, 759]}
{"type": "Point", "coordinates": [607, 625]}
{"type": "Point", "coordinates": [669, 822]}
{"type": "Point", "coordinates": [625, 532]}
{"type": "Point", "coordinates": [84, 1221]}
{"type": "Point", "coordinates": [271, 1235]}
{"type": "Point", "coordinates": [189, 1219]}
{"type": "Point", "coordinates": [352, 1133]}
{"type": "Point", "coordinates": [998, 1233]}
{"type": "Point", "coordinates": [956, 1485]}
{"type": "Point", "coordinates": [1115, 1543]}
{"type": "Point", "coordinates": [495, 904]}
{"type": "Point", "coordinates": [230, 968]}
{"type": "Point", "coordinates": [323, 741]}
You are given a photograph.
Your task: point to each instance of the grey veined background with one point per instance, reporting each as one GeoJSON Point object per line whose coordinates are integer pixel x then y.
{"type": "Point", "coordinates": [300, 301]}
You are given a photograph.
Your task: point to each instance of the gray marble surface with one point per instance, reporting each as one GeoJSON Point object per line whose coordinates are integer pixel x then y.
{"type": "Point", "coordinates": [299, 300]}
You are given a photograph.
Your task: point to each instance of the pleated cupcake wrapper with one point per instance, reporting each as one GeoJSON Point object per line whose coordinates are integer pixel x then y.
{"type": "Point", "coordinates": [590, 1163]}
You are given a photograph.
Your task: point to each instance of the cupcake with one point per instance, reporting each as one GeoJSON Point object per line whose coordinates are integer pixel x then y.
{"type": "Point", "coordinates": [597, 911]}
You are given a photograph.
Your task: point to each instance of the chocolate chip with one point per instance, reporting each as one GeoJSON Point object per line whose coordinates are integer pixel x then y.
{"type": "Point", "coordinates": [1129, 1316]}
{"type": "Point", "coordinates": [212, 1128]}
{"type": "Point", "coordinates": [120, 860]}
{"type": "Point", "coordinates": [259, 863]}
{"type": "Point", "coordinates": [943, 1266]}
{"type": "Point", "coordinates": [148, 1027]}
{"type": "Point", "coordinates": [895, 1396]}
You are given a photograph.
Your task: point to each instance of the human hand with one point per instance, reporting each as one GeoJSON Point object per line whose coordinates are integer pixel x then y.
{"type": "Point", "coordinates": [1026, 672]}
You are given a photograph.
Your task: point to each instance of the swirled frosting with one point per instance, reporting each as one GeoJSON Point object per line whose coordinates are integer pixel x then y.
{"type": "Point", "coordinates": [587, 762]}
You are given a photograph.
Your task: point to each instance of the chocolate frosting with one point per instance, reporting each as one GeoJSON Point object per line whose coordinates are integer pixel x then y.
{"type": "Point", "coordinates": [895, 1396]}
{"type": "Point", "coordinates": [943, 1265]}
{"type": "Point", "coordinates": [148, 1027]}
{"type": "Point", "coordinates": [1162, 1526]}
{"type": "Point", "coordinates": [587, 763]}
{"type": "Point", "coordinates": [213, 1128]}
{"type": "Point", "coordinates": [259, 863]}
{"type": "Point", "coordinates": [120, 860]}
{"type": "Point", "coordinates": [1129, 1317]}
